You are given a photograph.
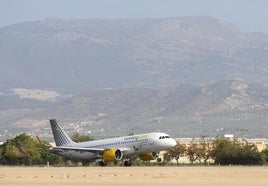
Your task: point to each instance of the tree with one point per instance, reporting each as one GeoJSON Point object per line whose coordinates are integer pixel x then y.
{"type": "Point", "coordinates": [175, 153]}
{"type": "Point", "coordinates": [2, 159]}
{"type": "Point", "coordinates": [47, 156]}
{"type": "Point", "coordinates": [25, 150]}
{"type": "Point", "coordinates": [28, 148]}
{"type": "Point", "coordinates": [264, 154]}
{"type": "Point", "coordinates": [250, 154]}
{"type": "Point", "coordinates": [206, 148]}
{"type": "Point", "coordinates": [234, 152]}
{"type": "Point", "coordinates": [10, 153]}
{"type": "Point", "coordinates": [193, 151]}
{"type": "Point", "coordinates": [20, 150]}
{"type": "Point", "coordinates": [223, 151]}
{"type": "Point", "coordinates": [76, 137]}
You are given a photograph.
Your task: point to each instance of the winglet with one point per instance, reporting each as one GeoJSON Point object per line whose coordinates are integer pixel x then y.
{"type": "Point", "coordinates": [39, 140]}
{"type": "Point", "coordinates": [60, 137]}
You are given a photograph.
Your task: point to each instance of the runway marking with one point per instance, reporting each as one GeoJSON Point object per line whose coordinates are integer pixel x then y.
{"type": "Point", "coordinates": [159, 177]}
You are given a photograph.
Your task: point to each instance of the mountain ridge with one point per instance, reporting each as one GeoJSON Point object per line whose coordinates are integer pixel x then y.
{"type": "Point", "coordinates": [188, 76]}
{"type": "Point", "coordinates": [96, 54]}
{"type": "Point", "coordinates": [184, 110]}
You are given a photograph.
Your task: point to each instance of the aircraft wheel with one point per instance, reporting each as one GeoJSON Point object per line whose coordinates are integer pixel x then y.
{"type": "Point", "coordinates": [102, 164]}
{"type": "Point", "coordinates": [127, 163]}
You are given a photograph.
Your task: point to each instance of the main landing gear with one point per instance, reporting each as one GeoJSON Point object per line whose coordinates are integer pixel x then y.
{"type": "Point", "coordinates": [127, 163]}
{"type": "Point", "coordinates": [102, 163]}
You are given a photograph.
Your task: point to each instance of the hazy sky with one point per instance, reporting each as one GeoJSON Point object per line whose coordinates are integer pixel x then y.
{"type": "Point", "coordinates": [247, 15]}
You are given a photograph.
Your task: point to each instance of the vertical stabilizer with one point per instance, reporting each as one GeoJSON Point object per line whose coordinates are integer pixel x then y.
{"type": "Point", "coordinates": [60, 137]}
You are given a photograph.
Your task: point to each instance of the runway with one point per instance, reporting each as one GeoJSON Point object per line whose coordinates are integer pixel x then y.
{"type": "Point", "coordinates": [117, 176]}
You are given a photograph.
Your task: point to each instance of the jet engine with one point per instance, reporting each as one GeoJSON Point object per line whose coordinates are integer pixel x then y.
{"type": "Point", "coordinates": [149, 156]}
{"type": "Point", "coordinates": [111, 155]}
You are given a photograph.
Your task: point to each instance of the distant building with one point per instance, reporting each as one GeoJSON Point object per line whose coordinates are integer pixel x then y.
{"type": "Point", "coordinates": [261, 143]}
{"type": "Point", "coordinates": [230, 136]}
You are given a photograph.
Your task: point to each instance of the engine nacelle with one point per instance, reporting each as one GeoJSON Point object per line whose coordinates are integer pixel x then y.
{"type": "Point", "coordinates": [111, 155]}
{"type": "Point", "coordinates": [149, 156]}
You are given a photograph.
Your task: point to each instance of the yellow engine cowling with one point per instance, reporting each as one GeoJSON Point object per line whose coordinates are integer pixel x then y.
{"type": "Point", "coordinates": [111, 155]}
{"type": "Point", "coordinates": [149, 156]}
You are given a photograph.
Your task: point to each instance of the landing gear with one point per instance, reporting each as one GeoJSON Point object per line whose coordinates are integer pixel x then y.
{"type": "Point", "coordinates": [102, 163]}
{"type": "Point", "coordinates": [127, 163]}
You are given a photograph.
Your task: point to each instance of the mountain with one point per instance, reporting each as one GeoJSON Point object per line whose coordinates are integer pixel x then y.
{"type": "Point", "coordinates": [188, 76]}
{"type": "Point", "coordinates": [73, 55]}
{"type": "Point", "coordinates": [182, 111]}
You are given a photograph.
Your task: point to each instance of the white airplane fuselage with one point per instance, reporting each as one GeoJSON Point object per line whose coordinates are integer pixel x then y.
{"type": "Point", "coordinates": [136, 144]}
{"type": "Point", "coordinates": [147, 146]}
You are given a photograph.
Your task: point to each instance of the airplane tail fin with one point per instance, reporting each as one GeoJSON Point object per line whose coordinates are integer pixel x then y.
{"type": "Point", "coordinates": [60, 137]}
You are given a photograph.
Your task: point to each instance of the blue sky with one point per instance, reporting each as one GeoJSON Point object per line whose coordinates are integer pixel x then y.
{"type": "Point", "coordinates": [247, 15]}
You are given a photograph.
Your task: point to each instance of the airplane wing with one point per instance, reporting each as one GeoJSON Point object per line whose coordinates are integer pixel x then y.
{"type": "Point", "coordinates": [93, 150]}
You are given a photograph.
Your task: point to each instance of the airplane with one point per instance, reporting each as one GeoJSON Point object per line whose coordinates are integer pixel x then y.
{"type": "Point", "coordinates": [103, 151]}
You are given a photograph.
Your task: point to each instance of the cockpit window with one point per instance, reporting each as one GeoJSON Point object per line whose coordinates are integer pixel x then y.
{"type": "Point", "coordinates": [163, 137]}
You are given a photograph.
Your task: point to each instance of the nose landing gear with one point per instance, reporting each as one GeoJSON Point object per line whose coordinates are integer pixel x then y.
{"type": "Point", "coordinates": [127, 163]}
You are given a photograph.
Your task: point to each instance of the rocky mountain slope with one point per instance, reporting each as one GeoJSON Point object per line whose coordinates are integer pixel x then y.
{"type": "Point", "coordinates": [186, 76]}
{"type": "Point", "coordinates": [68, 55]}
{"type": "Point", "coordinates": [183, 110]}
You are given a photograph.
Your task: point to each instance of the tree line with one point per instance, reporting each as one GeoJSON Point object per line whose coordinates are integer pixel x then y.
{"type": "Point", "coordinates": [24, 150]}
{"type": "Point", "coordinates": [220, 151]}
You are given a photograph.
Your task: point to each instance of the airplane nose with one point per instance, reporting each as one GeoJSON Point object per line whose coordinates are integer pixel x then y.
{"type": "Point", "coordinates": [173, 143]}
